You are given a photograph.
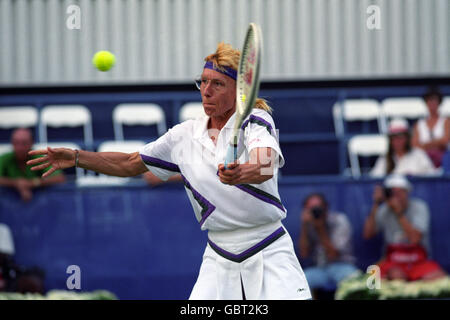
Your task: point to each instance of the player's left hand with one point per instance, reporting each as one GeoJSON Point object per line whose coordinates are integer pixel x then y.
{"type": "Point", "coordinates": [232, 175]}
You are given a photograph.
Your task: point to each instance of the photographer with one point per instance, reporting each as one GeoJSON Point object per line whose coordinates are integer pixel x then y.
{"type": "Point", "coordinates": [405, 225]}
{"type": "Point", "coordinates": [326, 237]}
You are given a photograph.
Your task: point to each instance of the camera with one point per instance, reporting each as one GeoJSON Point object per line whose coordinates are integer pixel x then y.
{"type": "Point", "coordinates": [387, 193]}
{"type": "Point", "coordinates": [317, 212]}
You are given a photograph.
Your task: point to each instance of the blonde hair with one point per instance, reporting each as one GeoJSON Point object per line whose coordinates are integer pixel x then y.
{"type": "Point", "coordinates": [226, 56]}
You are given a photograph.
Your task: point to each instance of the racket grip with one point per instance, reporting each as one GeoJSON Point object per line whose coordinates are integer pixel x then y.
{"type": "Point", "coordinates": [231, 155]}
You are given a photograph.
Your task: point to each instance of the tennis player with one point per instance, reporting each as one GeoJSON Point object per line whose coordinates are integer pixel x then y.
{"type": "Point", "coordinates": [249, 254]}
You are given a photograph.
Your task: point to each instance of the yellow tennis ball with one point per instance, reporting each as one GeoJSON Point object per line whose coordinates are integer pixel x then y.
{"type": "Point", "coordinates": [244, 97]}
{"type": "Point", "coordinates": [104, 60]}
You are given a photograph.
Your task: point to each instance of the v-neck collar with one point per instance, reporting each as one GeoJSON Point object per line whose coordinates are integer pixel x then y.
{"type": "Point", "coordinates": [201, 132]}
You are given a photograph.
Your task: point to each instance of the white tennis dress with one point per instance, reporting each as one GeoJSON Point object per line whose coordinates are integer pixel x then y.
{"type": "Point", "coordinates": [249, 252]}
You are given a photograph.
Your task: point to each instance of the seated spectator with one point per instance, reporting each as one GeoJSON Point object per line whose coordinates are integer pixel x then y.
{"type": "Point", "coordinates": [405, 223]}
{"type": "Point", "coordinates": [14, 171]}
{"type": "Point", "coordinates": [326, 237]}
{"type": "Point", "coordinates": [433, 133]}
{"type": "Point", "coordinates": [401, 158]}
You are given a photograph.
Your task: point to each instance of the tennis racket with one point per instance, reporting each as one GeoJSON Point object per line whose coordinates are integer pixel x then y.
{"type": "Point", "coordinates": [247, 85]}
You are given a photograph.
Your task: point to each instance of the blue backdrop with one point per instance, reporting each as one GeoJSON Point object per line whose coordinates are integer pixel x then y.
{"type": "Point", "coordinates": [144, 243]}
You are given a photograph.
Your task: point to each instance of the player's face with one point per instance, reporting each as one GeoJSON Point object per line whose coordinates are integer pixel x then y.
{"type": "Point", "coordinates": [218, 93]}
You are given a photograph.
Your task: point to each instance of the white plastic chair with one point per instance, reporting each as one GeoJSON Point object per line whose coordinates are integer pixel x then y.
{"type": "Point", "coordinates": [127, 146]}
{"type": "Point", "coordinates": [356, 110]}
{"type": "Point", "coordinates": [444, 109]}
{"type": "Point", "coordinates": [18, 117]}
{"type": "Point", "coordinates": [191, 110]}
{"type": "Point", "coordinates": [6, 240]}
{"type": "Point", "coordinates": [138, 114]}
{"type": "Point", "coordinates": [79, 172]}
{"type": "Point", "coordinates": [5, 147]}
{"type": "Point", "coordinates": [365, 145]}
{"type": "Point", "coordinates": [408, 108]}
{"type": "Point", "coordinates": [58, 116]}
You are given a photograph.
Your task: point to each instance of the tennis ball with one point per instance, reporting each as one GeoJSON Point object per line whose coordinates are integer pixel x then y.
{"type": "Point", "coordinates": [103, 60]}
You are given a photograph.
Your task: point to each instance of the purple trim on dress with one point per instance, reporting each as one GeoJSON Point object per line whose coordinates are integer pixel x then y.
{"type": "Point", "coordinates": [257, 119]}
{"type": "Point", "coordinates": [251, 251]}
{"type": "Point", "coordinates": [155, 162]}
{"type": "Point", "coordinates": [260, 194]}
{"type": "Point", "coordinates": [261, 197]}
{"type": "Point", "coordinates": [207, 206]}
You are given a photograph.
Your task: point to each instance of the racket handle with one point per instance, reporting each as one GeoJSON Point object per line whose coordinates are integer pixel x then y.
{"type": "Point", "coordinates": [231, 155]}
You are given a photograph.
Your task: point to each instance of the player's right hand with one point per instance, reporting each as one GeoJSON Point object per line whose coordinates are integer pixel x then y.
{"type": "Point", "coordinates": [58, 158]}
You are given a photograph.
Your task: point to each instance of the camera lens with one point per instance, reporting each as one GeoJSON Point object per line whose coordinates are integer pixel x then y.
{"type": "Point", "coordinates": [387, 192]}
{"type": "Point", "coordinates": [317, 212]}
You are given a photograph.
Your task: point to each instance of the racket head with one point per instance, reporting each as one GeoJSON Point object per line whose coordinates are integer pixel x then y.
{"type": "Point", "coordinates": [247, 84]}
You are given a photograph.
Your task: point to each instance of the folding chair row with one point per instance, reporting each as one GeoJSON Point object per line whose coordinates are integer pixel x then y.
{"type": "Point", "coordinates": [365, 110]}
{"type": "Point", "coordinates": [58, 116]}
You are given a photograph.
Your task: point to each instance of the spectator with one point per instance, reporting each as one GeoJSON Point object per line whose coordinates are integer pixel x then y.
{"type": "Point", "coordinates": [405, 225]}
{"type": "Point", "coordinates": [14, 171]}
{"type": "Point", "coordinates": [401, 158]}
{"type": "Point", "coordinates": [433, 133]}
{"type": "Point", "coordinates": [326, 237]}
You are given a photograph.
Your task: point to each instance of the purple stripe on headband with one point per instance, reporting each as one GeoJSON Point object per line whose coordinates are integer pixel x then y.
{"type": "Point", "coordinates": [261, 197]}
{"type": "Point", "coordinates": [208, 208]}
{"type": "Point", "coordinates": [230, 72]}
{"type": "Point", "coordinates": [252, 250]}
{"type": "Point", "coordinates": [160, 163]}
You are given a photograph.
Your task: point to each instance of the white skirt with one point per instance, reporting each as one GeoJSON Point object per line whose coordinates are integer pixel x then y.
{"type": "Point", "coordinates": [230, 268]}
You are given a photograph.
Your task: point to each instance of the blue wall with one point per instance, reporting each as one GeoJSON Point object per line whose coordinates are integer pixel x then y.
{"type": "Point", "coordinates": [144, 243]}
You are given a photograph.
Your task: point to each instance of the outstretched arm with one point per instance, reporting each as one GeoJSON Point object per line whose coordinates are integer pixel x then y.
{"type": "Point", "coordinates": [109, 163]}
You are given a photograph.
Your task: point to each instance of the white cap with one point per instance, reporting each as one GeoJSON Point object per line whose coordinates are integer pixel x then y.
{"type": "Point", "coordinates": [398, 125]}
{"type": "Point", "coordinates": [397, 181]}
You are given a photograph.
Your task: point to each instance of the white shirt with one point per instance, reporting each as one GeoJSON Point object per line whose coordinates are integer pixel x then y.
{"type": "Point", "coordinates": [426, 135]}
{"type": "Point", "coordinates": [415, 162]}
{"type": "Point", "coordinates": [187, 149]}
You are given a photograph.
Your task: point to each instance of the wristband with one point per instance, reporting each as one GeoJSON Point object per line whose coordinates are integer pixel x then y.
{"type": "Point", "coordinates": [76, 157]}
